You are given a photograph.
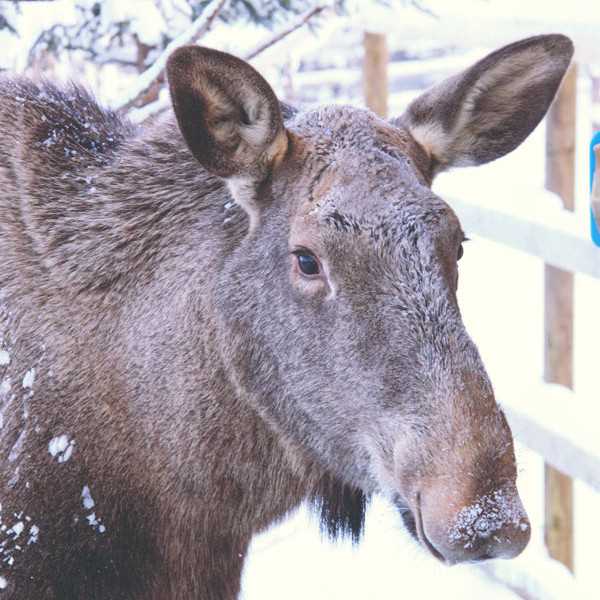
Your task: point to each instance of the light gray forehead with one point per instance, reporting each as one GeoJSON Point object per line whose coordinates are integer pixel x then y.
{"type": "Point", "coordinates": [361, 155]}
{"type": "Point", "coordinates": [365, 161]}
{"type": "Point", "coordinates": [407, 216]}
{"type": "Point", "coordinates": [332, 119]}
{"type": "Point", "coordinates": [363, 181]}
{"type": "Point", "coordinates": [336, 128]}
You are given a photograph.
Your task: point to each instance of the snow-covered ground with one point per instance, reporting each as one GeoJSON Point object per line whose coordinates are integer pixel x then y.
{"type": "Point", "coordinates": [501, 292]}
{"type": "Point", "coordinates": [294, 562]}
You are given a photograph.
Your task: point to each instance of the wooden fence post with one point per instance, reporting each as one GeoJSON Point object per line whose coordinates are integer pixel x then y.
{"type": "Point", "coordinates": [375, 80]}
{"type": "Point", "coordinates": [558, 314]}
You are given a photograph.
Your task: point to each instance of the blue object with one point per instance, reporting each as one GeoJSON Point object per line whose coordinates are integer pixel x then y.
{"type": "Point", "coordinates": [594, 226]}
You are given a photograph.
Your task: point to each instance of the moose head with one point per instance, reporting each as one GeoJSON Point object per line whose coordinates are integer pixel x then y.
{"type": "Point", "coordinates": [337, 314]}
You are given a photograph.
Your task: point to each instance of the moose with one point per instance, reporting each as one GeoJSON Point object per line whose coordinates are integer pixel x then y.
{"type": "Point", "coordinates": [241, 306]}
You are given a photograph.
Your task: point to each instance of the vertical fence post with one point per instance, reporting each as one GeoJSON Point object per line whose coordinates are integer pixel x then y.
{"type": "Point", "coordinates": [375, 80]}
{"type": "Point", "coordinates": [558, 314]}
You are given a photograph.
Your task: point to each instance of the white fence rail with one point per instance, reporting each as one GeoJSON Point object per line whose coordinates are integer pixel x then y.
{"type": "Point", "coordinates": [549, 419]}
{"type": "Point", "coordinates": [552, 234]}
{"type": "Point", "coordinates": [553, 421]}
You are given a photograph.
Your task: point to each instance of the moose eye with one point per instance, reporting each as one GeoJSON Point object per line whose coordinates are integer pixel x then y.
{"type": "Point", "coordinates": [307, 263]}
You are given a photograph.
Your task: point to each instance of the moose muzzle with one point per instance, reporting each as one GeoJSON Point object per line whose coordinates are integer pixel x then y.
{"type": "Point", "coordinates": [492, 525]}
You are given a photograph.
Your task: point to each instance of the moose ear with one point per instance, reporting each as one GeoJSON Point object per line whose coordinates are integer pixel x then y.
{"type": "Point", "coordinates": [229, 116]}
{"type": "Point", "coordinates": [489, 109]}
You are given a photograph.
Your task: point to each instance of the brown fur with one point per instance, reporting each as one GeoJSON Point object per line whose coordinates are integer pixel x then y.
{"type": "Point", "coordinates": [205, 387]}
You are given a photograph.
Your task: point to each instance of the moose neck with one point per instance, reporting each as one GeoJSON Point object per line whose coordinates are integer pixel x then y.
{"type": "Point", "coordinates": [173, 228]}
{"type": "Point", "coordinates": [139, 239]}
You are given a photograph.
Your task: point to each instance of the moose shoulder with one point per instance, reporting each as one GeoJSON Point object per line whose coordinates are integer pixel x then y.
{"type": "Point", "coordinates": [206, 321]}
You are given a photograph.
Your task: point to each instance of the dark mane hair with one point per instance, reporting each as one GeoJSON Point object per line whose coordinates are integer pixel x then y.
{"type": "Point", "coordinates": [341, 509]}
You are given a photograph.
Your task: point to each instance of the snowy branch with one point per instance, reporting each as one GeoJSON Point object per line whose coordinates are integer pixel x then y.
{"type": "Point", "coordinates": [279, 35]}
{"type": "Point", "coordinates": [139, 115]}
{"type": "Point", "coordinates": [151, 76]}
{"type": "Point", "coordinates": [422, 8]}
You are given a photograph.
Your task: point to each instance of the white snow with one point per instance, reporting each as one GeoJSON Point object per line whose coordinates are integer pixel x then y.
{"type": "Point", "coordinates": [3, 583]}
{"type": "Point", "coordinates": [29, 378]}
{"type": "Point", "coordinates": [4, 358]}
{"type": "Point", "coordinates": [16, 530]}
{"type": "Point", "coordinates": [535, 575]}
{"type": "Point", "coordinates": [61, 447]}
{"type": "Point", "coordinates": [34, 534]}
{"type": "Point", "coordinates": [484, 517]}
{"type": "Point", "coordinates": [58, 444]}
{"type": "Point", "coordinates": [96, 523]}
{"type": "Point", "coordinates": [17, 447]}
{"type": "Point", "coordinates": [88, 501]}
{"type": "Point", "coordinates": [67, 453]}
{"type": "Point", "coordinates": [293, 561]}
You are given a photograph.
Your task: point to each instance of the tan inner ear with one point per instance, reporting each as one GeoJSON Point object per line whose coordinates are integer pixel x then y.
{"type": "Point", "coordinates": [486, 111]}
{"type": "Point", "coordinates": [239, 126]}
{"type": "Point", "coordinates": [227, 112]}
{"type": "Point", "coordinates": [230, 119]}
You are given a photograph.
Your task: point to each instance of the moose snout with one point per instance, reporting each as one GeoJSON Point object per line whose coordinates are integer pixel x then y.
{"type": "Point", "coordinates": [492, 525]}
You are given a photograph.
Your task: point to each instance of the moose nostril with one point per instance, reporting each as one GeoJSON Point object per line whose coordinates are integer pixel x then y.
{"type": "Point", "coordinates": [495, 526]}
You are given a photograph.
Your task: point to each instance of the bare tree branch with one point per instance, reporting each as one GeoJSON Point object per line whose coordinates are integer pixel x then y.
{"type": "Point", "coordinates": [152, 109]}
{"type": "Point", "coordinates": [150, 76]}
{"type": "Point", "coordinates": [4, 24]}
{"type": "Point", "coordinates": [422, 8]}
{"type": "Point", "coordinates": [302, 20]}
{"type": "Point", "coordinates": [130, 64]}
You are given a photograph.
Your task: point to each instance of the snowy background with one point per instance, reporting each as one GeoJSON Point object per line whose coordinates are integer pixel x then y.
{"type": "Point", "coordinates": [501, 289]}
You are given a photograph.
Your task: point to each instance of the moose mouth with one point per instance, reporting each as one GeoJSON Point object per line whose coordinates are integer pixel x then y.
{"type": "Point", "coordinates": [413, 521]}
